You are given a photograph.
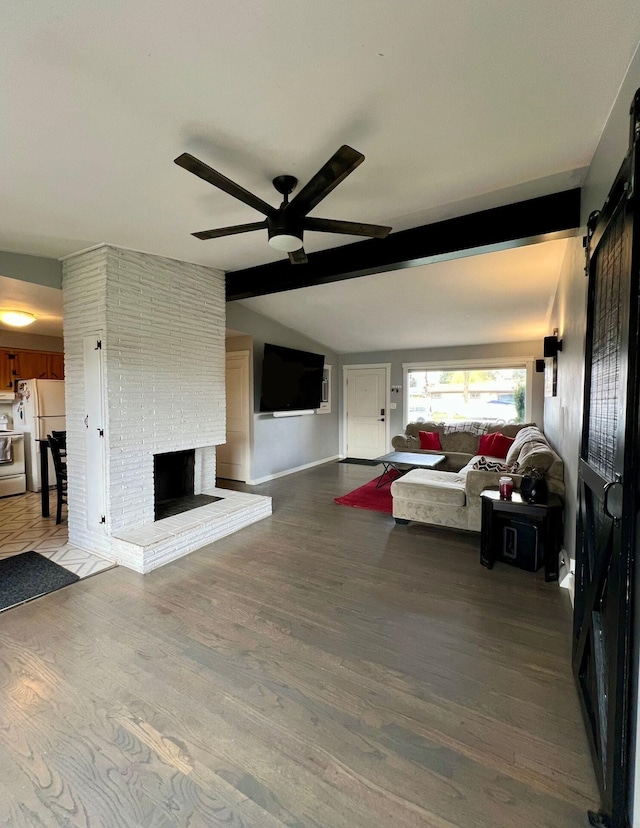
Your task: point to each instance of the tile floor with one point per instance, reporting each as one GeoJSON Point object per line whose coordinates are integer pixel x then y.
{"type": "Point", "coordinates": [22, 528]}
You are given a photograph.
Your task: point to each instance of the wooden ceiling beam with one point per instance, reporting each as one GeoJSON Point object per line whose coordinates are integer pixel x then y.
{"type": "Point", "coordinates": [526, 222]}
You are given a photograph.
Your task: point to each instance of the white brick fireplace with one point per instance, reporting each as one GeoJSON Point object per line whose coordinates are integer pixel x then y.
{"type": "Point", "coordinates": [161, 365]}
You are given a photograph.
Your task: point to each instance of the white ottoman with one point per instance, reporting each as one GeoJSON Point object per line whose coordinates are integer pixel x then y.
{"type": "Point", "coordinates": [430, 496]}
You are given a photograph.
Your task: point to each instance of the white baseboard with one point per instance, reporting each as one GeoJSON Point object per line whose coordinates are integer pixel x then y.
{"type": "Point", "coordinates": [293, 471]}
{"type": "Point", "coordinates": [566, 577]}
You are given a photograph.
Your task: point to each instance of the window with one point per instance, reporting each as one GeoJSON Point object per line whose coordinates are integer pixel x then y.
{"type": "Point", "coordinates": [490, 390]}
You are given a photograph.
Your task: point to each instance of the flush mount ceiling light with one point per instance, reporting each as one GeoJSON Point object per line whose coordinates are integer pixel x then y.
{"type": "Point", "coordinates": [17, 319]}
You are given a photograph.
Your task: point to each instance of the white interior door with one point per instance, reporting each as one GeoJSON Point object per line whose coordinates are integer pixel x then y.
{"type": "Point", "coordinates": [366, 412]}
{"type": "Point", "coordinates": [94, 426]}
{"type": "Point", "coordinates": [232, 458]}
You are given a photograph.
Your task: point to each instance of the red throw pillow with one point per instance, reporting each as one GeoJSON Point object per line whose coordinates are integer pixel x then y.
{"type": "Point", "coordinates": [500, 445]}
{"type": "Point", "coordinates": [485, 444]}
{"type": "Point", "coordinates": [430, 440]}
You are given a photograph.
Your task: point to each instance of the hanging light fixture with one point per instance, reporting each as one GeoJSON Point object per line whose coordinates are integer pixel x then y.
{"type": "Point", "coordinates": [285, 242]}
{"type": "Point", "coordinates": [17, 319]}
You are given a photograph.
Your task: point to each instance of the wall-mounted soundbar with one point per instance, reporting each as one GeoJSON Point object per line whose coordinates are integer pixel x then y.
{"type": "Point", "coordinates": [293, 413]}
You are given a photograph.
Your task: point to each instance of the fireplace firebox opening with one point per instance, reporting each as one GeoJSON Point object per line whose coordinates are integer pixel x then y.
{"type": "Point", "coordinates": [173, 482]}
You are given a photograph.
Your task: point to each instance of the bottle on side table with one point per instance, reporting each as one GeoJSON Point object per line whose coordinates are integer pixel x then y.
{"type": "Point", "coordinates": [527, 535]}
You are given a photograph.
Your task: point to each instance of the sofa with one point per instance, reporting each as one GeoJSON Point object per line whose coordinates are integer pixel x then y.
{"type": "Point", "coordinates": [450, 494]}
{"type": "Point", "coordinates": [459, 440]}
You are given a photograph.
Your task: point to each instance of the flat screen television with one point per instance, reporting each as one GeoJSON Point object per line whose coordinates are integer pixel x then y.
{"type": "Point", "coordinates": [291, 379]}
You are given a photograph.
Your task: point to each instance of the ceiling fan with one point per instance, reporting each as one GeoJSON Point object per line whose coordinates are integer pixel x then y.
{"type": "Point", "coordinates": [287, 223]}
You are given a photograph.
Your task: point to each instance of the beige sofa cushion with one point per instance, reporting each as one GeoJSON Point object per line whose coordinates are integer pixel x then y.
{"type": "Point", "coordinates": [462, 441]}
{"type": "Point", "coordinates": [524, 435]}
{"type": "Point", "coordinates": [531, 448]}
{"type": "Point", "coordinates": [446, 488]}
{"type": "Point", "coordinates": [535, 453]}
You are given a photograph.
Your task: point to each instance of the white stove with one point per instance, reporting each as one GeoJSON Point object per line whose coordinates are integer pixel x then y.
{"type": "Point", "coordinates": [13, 479]}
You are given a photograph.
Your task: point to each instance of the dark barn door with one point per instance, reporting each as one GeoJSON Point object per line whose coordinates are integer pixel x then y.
{"type": "Point", "coordinates": [608, 489]}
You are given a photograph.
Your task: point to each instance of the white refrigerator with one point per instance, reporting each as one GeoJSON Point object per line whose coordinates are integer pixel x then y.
{"type": "Point", "coordinates": [38, 410]}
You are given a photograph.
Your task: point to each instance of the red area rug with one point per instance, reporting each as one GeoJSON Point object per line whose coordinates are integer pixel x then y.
{"type": "Point", "coordinates": [368, 497]}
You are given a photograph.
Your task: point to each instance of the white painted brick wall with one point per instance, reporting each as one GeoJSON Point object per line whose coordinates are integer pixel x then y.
{"type": "Point", "coordinates": [163, 329]}
{"type": "Point", "coordinates": [84, 312]}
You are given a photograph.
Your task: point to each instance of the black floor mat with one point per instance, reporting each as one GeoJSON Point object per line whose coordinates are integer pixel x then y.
{"type": "Point", "coordinates": [359, 462]}
{"type": "Point", "coordinates": [29, 575]}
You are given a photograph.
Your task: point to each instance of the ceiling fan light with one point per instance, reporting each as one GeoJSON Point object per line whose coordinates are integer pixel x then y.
{"type": "Point", "coordinates": [17, 319]}
{"type": "Point", "coordinates": [285, 242]}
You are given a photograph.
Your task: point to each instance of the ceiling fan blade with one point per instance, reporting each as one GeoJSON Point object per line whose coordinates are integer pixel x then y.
{"type": "Point", "coordinates": [353, 228]}
{"type": "Point", "coordinates": [230, 231]}
{"type": "Point", "coordinates": [202, 170]}
{"type": "Point", "coordinates": [298, 256]}
{"type": "Point", "coordinates": [337, 168]}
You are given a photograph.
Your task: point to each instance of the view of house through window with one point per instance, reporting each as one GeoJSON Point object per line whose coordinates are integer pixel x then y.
{"type": "Point", "coordinates": [467, 394]}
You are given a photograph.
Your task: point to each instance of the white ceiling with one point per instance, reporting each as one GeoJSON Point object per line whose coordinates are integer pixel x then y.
{"type": "Point", "coordinates": [457, 107]}
{"type": "Point", "coordinates": [497, 297]}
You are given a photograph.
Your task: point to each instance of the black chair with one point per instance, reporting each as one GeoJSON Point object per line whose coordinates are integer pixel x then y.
{"type": "Point", "coordinates": [58, 446]}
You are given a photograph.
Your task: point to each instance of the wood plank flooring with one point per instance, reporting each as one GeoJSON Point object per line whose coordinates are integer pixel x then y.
{"type": "Point", "coordinates": [323, 667]}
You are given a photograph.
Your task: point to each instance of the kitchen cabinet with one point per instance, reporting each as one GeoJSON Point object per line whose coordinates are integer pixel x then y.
{"type": "Point", "coordinates": [23, 364]}
{"type": "Point", "coordinates": [55, 366]}
{"type": "Point", "coordinates": [6, 368]}
{"type": "Point", "coordinates": [30, 364]}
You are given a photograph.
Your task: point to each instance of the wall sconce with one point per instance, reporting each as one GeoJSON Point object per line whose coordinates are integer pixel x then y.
{"type": "Point", "coordinates": [552, 345]}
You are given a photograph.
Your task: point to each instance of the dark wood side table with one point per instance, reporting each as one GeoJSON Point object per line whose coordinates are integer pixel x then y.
{"type": "Point", "coordinates": [544, 518]}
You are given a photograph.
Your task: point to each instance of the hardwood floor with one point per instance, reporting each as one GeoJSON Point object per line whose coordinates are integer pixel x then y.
{"type": "Point", "coordinates": [320, 668]}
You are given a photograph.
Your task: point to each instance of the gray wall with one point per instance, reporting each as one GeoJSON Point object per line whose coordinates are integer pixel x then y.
{"type": "Point", "coordinates": [31, 342]}
{"type": "Point", "coordinates": [40, 271]}
{"type": "Point", "coordinates": [289, 442]}
{"type": "Point", "coordinates": [397, 358]}
{"type": "Point", "coordinates": [563, 414]}
{"type": "Point", "coordinates": [37, 269]}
